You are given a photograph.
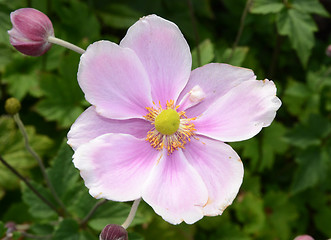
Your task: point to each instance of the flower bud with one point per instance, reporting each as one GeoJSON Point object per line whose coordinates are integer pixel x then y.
{"type": "Point", "coordinates": [12, 106]}
{"type": "Point", "coordinates": [304, 237]}
{"type": "Point", "coordinates": [114, 232]}
{"type": "Point", "coordinates": [30, 32]}
{"type": "Point", "coordinates": [328, 51]}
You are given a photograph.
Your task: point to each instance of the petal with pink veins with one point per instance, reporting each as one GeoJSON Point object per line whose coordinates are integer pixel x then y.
{"type": "Point", "coordinates": [90, 125]}
{"type": "Point", "coordinates": [116, 166]}
{"type": "Point", "coordinates": [220, 168]}
{"type": "Point", "coordinates": [114, 80]}
{"type": "Point", "coordinates": [175, 190]}
{"type": "Point", "coordinates": [215, 80]}
{"type": "Point", "coordinates": [165, 54]}
{"type": "Point", "coordinates": [241, 113]}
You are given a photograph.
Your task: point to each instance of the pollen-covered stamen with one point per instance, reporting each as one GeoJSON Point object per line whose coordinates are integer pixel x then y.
{"type": "Point", "coordinates": [172, 129]}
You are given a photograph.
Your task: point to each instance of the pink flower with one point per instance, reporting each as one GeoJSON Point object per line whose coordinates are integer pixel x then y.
{"type": "Point", "coordinates": [156, 130]}
{"type": "Point", "coordinates": [31, 29]}
{"type": "Point", "coordinates": [304, 237]}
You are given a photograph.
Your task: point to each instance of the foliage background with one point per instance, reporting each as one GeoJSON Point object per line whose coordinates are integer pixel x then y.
{"type": "Point", "coordinates": [287, 185]}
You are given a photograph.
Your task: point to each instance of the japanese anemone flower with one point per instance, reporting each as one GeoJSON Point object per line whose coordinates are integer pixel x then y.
{"type": "Point", "coordinates": [156, 130]}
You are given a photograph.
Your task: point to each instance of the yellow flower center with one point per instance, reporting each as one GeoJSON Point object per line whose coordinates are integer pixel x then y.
{"type": "Point", "coordinates": [167, 122]}
{"type": "Point", "coordinates": [172, 129]}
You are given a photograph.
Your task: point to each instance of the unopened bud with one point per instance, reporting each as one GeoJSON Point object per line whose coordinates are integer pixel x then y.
{"type": "Point", "coordinates": [114, 232]}
{"type": "Point", "coordinates": [30, 32]}
{"type": "Point", "coordinates": [12, 106]}
{"type": "Point", "coordinates": [328, 51]}
{"type": "Point", "coordinates": [304, 237]}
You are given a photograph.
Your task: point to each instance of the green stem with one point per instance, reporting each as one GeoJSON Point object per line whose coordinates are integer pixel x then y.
{"type": "Point", "coordinates": [40, 162]}
{"type": "Point", "coordinates": [32, 188]}
{"type": "Point", "coordinates": [132, 213]}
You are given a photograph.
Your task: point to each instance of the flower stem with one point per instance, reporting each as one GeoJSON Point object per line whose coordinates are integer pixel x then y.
{"type": "Point", "coordinates": [32, 188]}
{"type": "Point", "coordinates": [92, 211]}
{"type": "Point", "coordinates": [241, 28]}
{"type": "Point", "coordinates": [40, 162]}
{"type": "Point", "coordinates": [132, 213]}
{"type": "Point", "coordinates": [65, 44]}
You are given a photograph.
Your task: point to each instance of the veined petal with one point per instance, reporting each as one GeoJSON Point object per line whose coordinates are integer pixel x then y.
{"type": "Point", "coordinates": [215, 80]}
{"type": "Point", "coordinates": [115, 166]}
{"type": "Point", "coordinates": [221, 170]}
{"type": "Point", "coordinates": [114, 80]}
{"type": "Point", "coordinates": [165, 54]}
{"type": "Point", "coordinates": [90, 125]}
{"type": "Point", "coordinates": [241, 113]}
{"type": "Point", "coordinates": [175, 190]}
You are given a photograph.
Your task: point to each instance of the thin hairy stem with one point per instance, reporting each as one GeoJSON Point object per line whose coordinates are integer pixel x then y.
{"type": "Point", "coordinates": [65, 44]}
{"type": "Point", "coordinates": [32, 188]}
{"type": "Point", "coordinates": [40, 162]}
{"type": "Point", "coordinates": [195, 30]}
{"type": "Point", "coordinates": [241, 29]}
{"type": "Point", "coordinates": [92, 211]}
{"type": "Point", "coordinates": [132, 213]}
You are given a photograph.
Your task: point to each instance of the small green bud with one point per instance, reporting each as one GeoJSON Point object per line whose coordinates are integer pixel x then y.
{"type": "Point", "coordinates": [12, 106]}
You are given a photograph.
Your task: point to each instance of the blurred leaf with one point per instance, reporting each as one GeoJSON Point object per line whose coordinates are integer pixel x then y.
{"type": "Point", "coordinates": [13, 151]}
{"type": "Point", "coordinates": [250, 212]}
{"type": "Point", "coordinates": [299, 27]}
{"type": "Point", "coordinates": [310, 132]}
{"type": "Point", "coordinates": [237, 57]}
{"type": "Point", "coordinates": [266, 6]}
{"type": "Point", "coordinates": [206, 54]}
{"type": "Point", "coordinates": [11, 213]}
{"type": "Point", "coordinates": [322, 220]}
{"type": "Point", "coordinates": [313, 166]}
{"type": "Point", "coordinates": [63, 180]}
{"type": "Point", "coordinates": [87, 235]}
{"type": "Point", "coordinates": [2, 229]}
{"type": "Point", "coordinates": [5, 57]}
{"type": "Point", "coordinates": [37, 208]}
{"type": "Point", "coordinates": [135, 236]}
{"type": "Point", "coordinates": [310, 6]}
{"type": "Point", "coordinates": [63, 101]}
{"type": "Point", "coordinates": [67, 230]}
{"type": "Point", "coordinates": [4, 27]}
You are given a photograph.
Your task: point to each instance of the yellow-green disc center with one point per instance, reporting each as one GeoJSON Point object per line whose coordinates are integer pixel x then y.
{"type": "Point", "coordinates": [167, 122]}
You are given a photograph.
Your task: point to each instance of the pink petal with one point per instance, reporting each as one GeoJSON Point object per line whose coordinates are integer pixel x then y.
{"type": "Point", "coordinates": [175, 190]}
{"type": "Point", "coordinates": [215, 80]}
{"type": "Point", "coordinates": [221, 170]}
{"type": "Point", "coordinates": [165, 54]}
{"type": "Point", "coordinates": [90, 125]}
{"type": "Point", "coordinates": [241, 113]}
{"type": "Point", "coordinates": [114, 80]}
{"type": "Point", "coordinates": [115, 166]}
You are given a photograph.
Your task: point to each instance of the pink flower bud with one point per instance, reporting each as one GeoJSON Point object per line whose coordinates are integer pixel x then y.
{"type": "Point", "coordinates": [31, 29]}
{"type": "Point", "coordinates": [328, 51]}
{"type": "Point", "coordinates": [114, 232]}
{"type": "Point", "coordinates": [304, 237]}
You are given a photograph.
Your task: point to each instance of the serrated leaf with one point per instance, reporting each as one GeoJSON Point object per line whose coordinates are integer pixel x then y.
{"type": "Point", "coordinates": [266, 6]}
{"type": "Point", "coordinates": [68, 230]}
{"type": "Point", "coordinates": [206, 49]}
{"type": "Point", "coordinates": [63, 180]}
{"type": "Point", "coordinates": [299, 27]}
{"type": "Point", "coordinates": [310, 6]}
{"type": "Point", "coordinates": [313, 166]}
{"type": "Point", "coordinates": [63, 100]}
{"type": "Point", "coordinates": [13, 151]}
{"type": "Point", "coordinates": [37, 207]}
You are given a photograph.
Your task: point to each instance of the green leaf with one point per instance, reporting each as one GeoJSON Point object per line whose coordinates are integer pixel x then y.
{"type": "Point", "coordinates": [67, 230]}
{"type": "Point", "coordinates": [62, 180]}
{"type": "Point", "coordinates": [37, 207]}
{"type": "Point", "coordinates": [64, 99]}
{"type": "Point", "coordinates": [299, 27]}
{"type": "Point", "coordinates": [13, 151]}
{"type": "Point", "coordinates": [237, 57]}
{"type": "Point", "coordinates": [206, 54]}
{"type": "Point", "coordinates": [322, 220]}
{"type": "Point", "coordinates": [310, 6]}
{"type": "Point", "coordinates": [309, 133]}
{"type": "Point", "coordinates": [2, 229]}
{"type": "Point", "coordinates": [313, 167]}
{"type": "Point", "coordinates": [266, 6]}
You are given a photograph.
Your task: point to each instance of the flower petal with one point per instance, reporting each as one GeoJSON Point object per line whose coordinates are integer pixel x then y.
{"type": "Point", "coordinates": [114, 80]}
{"type": "Point", "coordinates": [215, 80]}
{"type": "Point", "coordinates": [90, 125]}
{"type": "Point", "coordinates": [175, 190]}
{"type": "Point", "coordinates": [165, 54]}
{"type": "Point", "coordinates": [221, 170]}
{"type": "Point", "coordinates": [241, 113]}
{"type": "Point", "coordinates": [115, 166]}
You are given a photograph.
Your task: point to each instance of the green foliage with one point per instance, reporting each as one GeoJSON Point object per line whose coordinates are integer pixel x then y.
{"type": "Point", "coordinates": [266, 6]}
